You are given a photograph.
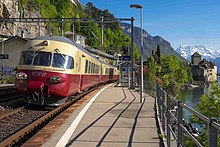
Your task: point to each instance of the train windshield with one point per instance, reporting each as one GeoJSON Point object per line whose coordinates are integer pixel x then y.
{"type": "Point", "coordinates": [38, 58]}
{"type": "Point", "coordinates": [42, 58]}
{"type": "Point", "coordinates": [62, 61]}
{"type": "Point", "coordinates": [26, 58]}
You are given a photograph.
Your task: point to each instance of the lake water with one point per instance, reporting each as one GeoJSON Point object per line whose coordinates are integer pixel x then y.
{"type": "Point", "coordinates": [191, 97]}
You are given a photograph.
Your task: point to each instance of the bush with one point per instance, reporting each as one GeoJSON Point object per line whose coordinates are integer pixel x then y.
{"type": "Point", "coordinates": [9, 80]}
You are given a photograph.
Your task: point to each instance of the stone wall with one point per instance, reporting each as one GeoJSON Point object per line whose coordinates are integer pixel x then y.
{"type": "Point", "coordinates": [10, 9]}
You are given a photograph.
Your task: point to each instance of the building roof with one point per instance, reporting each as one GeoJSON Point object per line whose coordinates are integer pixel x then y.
{"type": "Point", "coordinates": [13, 38]}
{"type": "Point", "coordinates": [69, 33]}
{"type": "Point", "coordinates": [203, 62]}
{"type": "Point", "coordinates": [196, 54]}
{"type": "Point", "coordinates": [206, 64]}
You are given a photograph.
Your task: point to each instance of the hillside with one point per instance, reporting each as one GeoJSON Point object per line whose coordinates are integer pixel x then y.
{"type": "Point", "coordinates": [150, 43]}
{"type": "Point", "coordinates": [114, 36]}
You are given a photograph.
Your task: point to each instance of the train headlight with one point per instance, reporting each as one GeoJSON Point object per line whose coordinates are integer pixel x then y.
{"type": "Point", "coordinates": [57, 79]}
{"type": "Point", "coordinates": [21, 76]}
{"type": "Point", "coordinates": [46, 43]}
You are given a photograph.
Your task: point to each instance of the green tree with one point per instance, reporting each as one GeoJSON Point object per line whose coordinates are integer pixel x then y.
{"type": "Point", "coordinates": [151, 74]}
{"type": "Point", "coordinates": [113, 35]}
{"type": "Point", "coordinates": [173, 74]}
{"type": "Point", "coordinates": [209, 106]}
{"type": "Point", "coordinates": [181, 75]}
{"type": "Point", "coordinates": [158, 55]}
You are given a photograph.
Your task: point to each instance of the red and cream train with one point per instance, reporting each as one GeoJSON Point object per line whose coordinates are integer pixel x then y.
{"type": "Point", "coordinates": [53, 68]}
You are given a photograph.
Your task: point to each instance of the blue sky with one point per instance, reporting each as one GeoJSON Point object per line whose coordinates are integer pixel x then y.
{"type": "Point", "coordinates": [181, 22]}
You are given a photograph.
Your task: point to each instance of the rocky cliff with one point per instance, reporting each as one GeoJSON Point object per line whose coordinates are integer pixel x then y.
{"type": "Point", "coordinates": [12, 9]}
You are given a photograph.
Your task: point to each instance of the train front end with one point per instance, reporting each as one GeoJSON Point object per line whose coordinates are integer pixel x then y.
{"type": "Point", "coordinates": [44, 74]}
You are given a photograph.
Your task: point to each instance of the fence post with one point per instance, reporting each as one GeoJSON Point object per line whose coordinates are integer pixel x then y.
{"type": "Point", "coordinates": [159, 99]}
{"type": "Point", "coordinates": [163, 110]}
{"type": "Point", "coordinates": [212, 134]}
{"type": "Point", "coordinates": [168, 121]}
{"type": "Point", "coordinates": [179, 122]}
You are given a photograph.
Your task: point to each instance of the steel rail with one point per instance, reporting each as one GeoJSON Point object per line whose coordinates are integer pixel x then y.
{"type": "Point", "coordinates": [14, 111]}
{"type": "Point", "coordinates": [27, 129]}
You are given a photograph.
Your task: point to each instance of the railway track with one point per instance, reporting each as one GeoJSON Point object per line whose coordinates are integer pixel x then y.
{"type": "Point", "coordinates": [16, 126]}
{"type": "Point", "coordinates": [8, 93]}
{"type": "Point", "coordinates": [7, 90]}
{"type": "Point", "coordinates": [18, 119]}
{"type": "Point", "coordinates": [9, 100]}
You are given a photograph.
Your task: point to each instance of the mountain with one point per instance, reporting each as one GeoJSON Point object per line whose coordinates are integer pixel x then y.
{"type": "Point", "coordinates": [187, 51]}
{"type": "Point", "coordinates": [150, 43]}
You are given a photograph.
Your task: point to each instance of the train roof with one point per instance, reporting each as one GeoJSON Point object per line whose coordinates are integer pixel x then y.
{"type": "Point", "coordinates": [107, 64]}
{"type": "Point", "coordinates": [65, 40]}
{"type": "Point", "coordinates": [100, 53]}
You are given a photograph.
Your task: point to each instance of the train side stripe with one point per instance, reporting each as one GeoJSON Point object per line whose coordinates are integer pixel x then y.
{"type": "Point", "coordinates": [66, 136]}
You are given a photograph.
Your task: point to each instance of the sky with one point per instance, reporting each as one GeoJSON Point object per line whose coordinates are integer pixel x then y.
{"type": "Point", "coordinates": [181, 22]}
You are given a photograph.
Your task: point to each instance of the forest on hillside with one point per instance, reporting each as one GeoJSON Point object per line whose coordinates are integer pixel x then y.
{"type": "Point", "coordinates": [115, 41]}
{"type": "Point", "coordinates": [169, 71]}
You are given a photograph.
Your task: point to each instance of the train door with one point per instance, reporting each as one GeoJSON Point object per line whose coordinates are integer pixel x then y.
{"type": "Point", "coordinates": [79, 72]}
{"type": "Point", "coordinates": [101, 71]}
{"type": "Point", "coordinates": [79, 64]}
{"type": "Point", "coordinates": [111, 73]}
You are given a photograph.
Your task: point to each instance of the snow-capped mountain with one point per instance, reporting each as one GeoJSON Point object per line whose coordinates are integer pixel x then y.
{"type": "Point", "coordinates": [187, 51]}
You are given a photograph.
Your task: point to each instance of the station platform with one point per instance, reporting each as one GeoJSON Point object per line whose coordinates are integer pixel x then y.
{"type": "Point", "coordinates": [112, 117]}
{"type": "Point", "coordinates": [6, 85]}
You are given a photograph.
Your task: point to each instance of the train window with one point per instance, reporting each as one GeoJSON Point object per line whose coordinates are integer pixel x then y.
{"type": "Point", "coordinates": [91, 64]}
{"type": "Point", "coordinates": [26, 58]}
{"type": "Point", "coordinates": [96, 68]}
{"type": "Point", "coordinates": [93, 67]}
{"type": "Point", "coordinates": [89, 69]}
{"type": "Point", "coordinates": [62, 61]}
{"type": "Point", "coordinates": [99, 69]}
{"type": "Point", "coordinates": [42, 58]}
{"type": "Point", "coordinates": [86, 66]}
{"type": "Point", "coordinates": [106, 70]}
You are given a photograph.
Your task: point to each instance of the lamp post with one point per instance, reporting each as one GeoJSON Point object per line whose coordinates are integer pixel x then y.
{"type": "Point", "coordinates": [137, 6]}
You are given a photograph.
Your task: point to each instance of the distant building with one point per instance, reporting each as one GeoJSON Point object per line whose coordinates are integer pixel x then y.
{"type": "Point", "coordinates": [203, 70]}
{"type": "Point", "coordinates": [195, 58]}
{"type": "Point", "coordinates": [79, 39]}
{"type": "Point", "coordinates": [11, 47]}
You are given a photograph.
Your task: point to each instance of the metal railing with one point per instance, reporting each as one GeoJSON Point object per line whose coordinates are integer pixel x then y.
{"type": "Point", "coordinates": [170, 111]}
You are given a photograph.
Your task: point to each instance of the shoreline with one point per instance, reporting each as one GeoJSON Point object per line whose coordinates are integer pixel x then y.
{"type": "Point", "coordinates": [196, 84]}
